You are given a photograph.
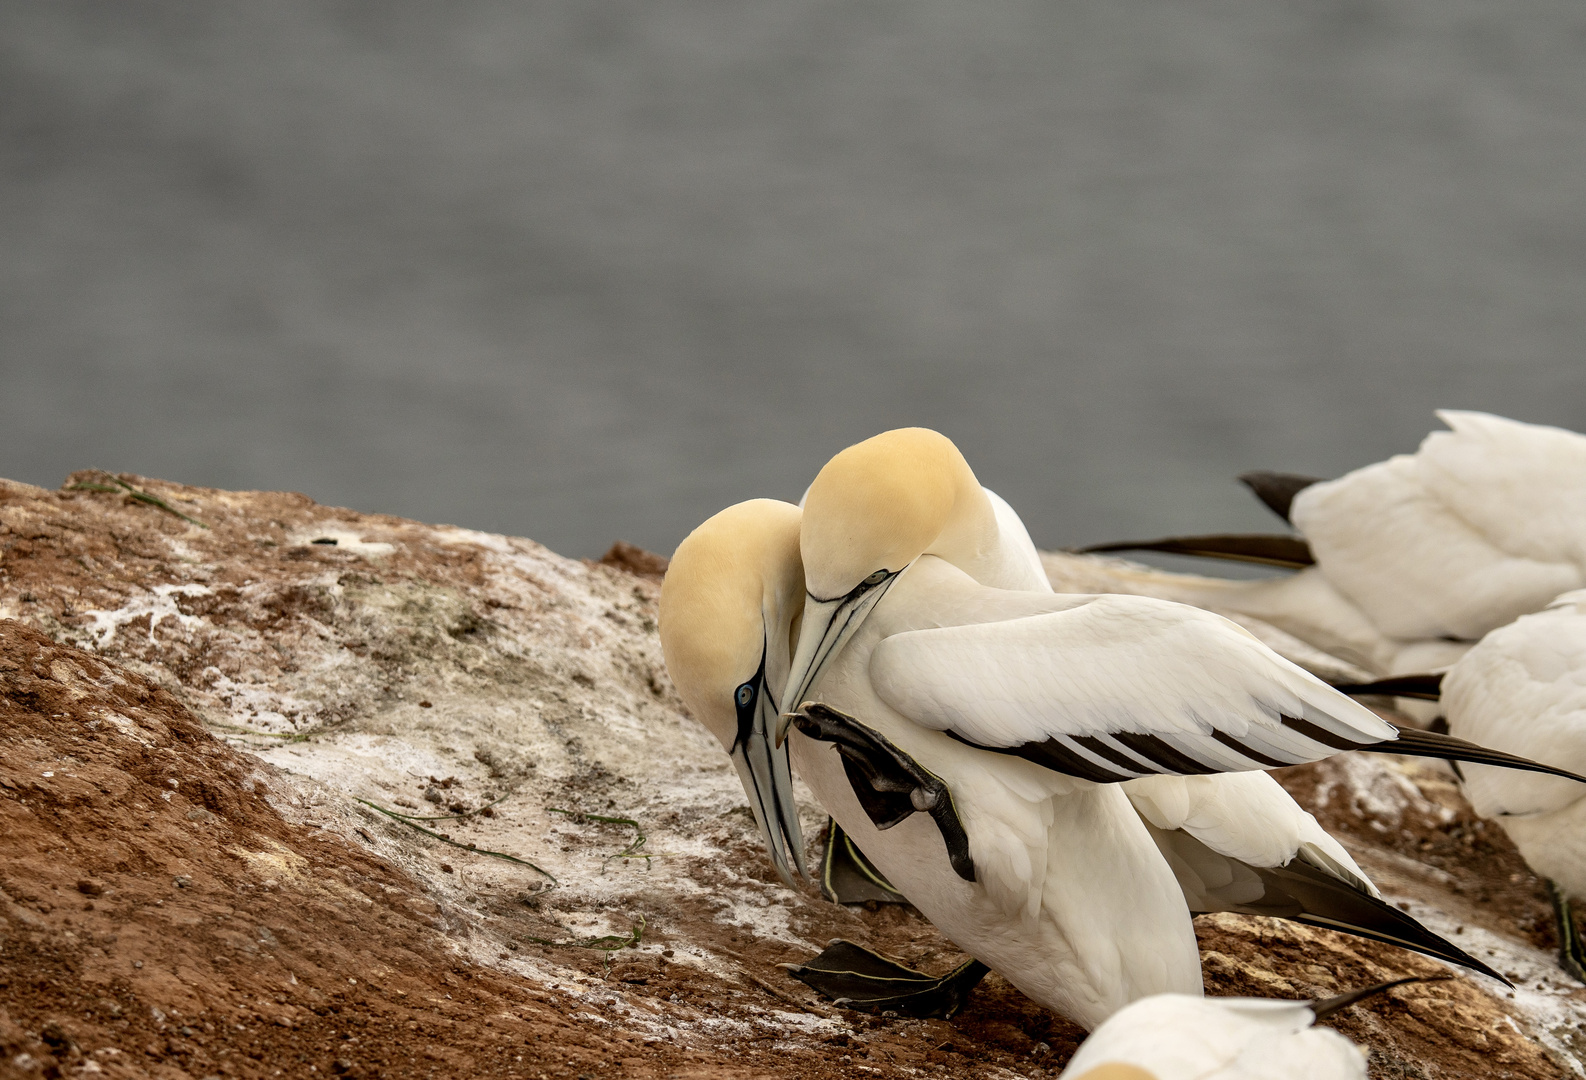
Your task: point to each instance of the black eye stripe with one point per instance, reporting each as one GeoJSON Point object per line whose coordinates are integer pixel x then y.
{"type": "Point", "coordinates": [743, 700]}
{"type": "Point", "coordinates": [875, 579]}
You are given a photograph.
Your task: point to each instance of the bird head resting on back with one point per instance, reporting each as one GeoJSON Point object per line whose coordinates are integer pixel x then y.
{"type": "Point", "coordinates": [872, 511]}
{"type": "Point", "coordinates": [730, 601]}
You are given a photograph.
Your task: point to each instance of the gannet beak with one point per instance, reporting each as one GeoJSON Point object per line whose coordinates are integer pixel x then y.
{"type": "Point", "coordinates": [768, 782]}
{"type": "Point", "coordinates": [828, 624]}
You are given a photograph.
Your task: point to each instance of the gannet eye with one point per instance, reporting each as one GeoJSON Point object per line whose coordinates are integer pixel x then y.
{"type": "Point", "coordinates": [876, 578]}
{"type": "Point", "coordinates": [745, 695]}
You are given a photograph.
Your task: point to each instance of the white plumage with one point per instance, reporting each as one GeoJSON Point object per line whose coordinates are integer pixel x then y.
{"type": "Point", "coordinates": [1174, 1037]}
{"type": "Point", "coordinates": [1418, 556]}
{"type": "Point", "coordinates": [1483, 524]}
{"type": "Point", "coordinates": [1523, 690]}
{"type": "Point", "coordinates": [1067, 689]}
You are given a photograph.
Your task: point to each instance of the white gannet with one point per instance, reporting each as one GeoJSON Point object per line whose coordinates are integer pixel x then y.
{"type": "Point", "coordinates": [938, 669]}
{"type": "Point", "coordinates": [728, 600]}
{"type": "Point", "coordinates": [1523, 689]}
{"type": "Point", "coordinates": [723, 616]}
{"type": "Point", "coordinates": [1416, 557]}
{"type": "Point", "coordinates": [1172, 1037]}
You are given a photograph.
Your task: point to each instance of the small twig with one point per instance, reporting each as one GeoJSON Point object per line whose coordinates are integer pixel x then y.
{"type": "Point", "coordinates": [448, 840]}
{"type": "Point", "coordinates": [632, 850]}
{"type": "Point", "coordinates": [137, 494]}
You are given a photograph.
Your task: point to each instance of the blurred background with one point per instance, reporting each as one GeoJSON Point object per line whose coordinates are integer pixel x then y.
{"type": "Point", "coordinates": [589, 270]}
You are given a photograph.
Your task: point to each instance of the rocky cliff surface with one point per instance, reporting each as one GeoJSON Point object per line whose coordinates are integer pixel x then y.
{"type": "Point", "coordinates": [289, 787]}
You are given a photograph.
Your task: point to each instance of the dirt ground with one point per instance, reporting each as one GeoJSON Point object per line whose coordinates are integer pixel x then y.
{"type": "Point", "coordinates": [172, 904]}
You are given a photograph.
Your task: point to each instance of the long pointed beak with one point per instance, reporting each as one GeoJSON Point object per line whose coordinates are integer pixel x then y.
{"type": "Point", "coordinates": [822, 626]}
{"type": "Point", "coordinates": [828, 624]}
{"type": "Point", "coordinates": [767, 780]}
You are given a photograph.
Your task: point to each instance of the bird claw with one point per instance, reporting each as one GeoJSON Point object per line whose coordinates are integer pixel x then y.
{"type": "Point", "coordinates": [889, 784]}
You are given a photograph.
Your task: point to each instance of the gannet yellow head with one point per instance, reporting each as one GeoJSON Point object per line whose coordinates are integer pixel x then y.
{"type": "Point", "coordinates": [731, 597]}
{"type": "Point", "coordinates": [1117, 1070]}
{"type": "Point", "coordinates": [874, 509]}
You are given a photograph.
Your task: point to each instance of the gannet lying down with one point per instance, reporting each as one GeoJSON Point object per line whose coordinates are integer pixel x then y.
{"type": "Point", "coordinates": [1523, 688]}
{"type": "Point", "coordinates": [1175, 1037]}
{"type": "Point", "coordinates": [1416, 557]}
{"type": "Point", "coordinates": [726, 608]}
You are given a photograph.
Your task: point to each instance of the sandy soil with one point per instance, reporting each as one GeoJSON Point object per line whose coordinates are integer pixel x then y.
{"type": "Point", "coordinates": [191, 889]}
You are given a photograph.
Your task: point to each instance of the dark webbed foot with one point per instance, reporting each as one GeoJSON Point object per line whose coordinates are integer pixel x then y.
{"type": "Point", "coordinates": [855, 977]}
{"type": "Point", "coordinates": [847, 877]}
{"type": "Point", "coordinates": [1570, 957]}
{"type": "Point", "coordinates": [889, 784]}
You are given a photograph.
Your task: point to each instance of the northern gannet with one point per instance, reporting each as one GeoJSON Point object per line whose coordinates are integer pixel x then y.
{"type": "Point", "coordinates": [940, 668]}
{"type": "Point", "coordinates": [723, 616]}
{"type": "Point", "coordinates": [1523, 688]}
{"type": "Point", "coordinates": [1408, 562]}
{"type": "Point", "coordinates": [1171, 1037]}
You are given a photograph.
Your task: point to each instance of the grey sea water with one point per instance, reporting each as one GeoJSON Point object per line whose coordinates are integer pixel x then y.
{"type": "Point", "coordinates": [581, 271]}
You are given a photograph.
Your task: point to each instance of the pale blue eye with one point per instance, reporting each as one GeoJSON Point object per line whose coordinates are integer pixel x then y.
{"type": "Point", "coordinates": [745, 694]}
{"type": "Point", "coordinates": [876, 578]}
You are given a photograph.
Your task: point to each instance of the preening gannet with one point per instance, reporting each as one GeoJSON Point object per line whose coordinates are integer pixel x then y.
{"type": "Point", "coordinates": [1523, 688]}
{"type": "Point", "coordinates": [725, 622]}
{"type": "Point", "coordinates": [973, 685]}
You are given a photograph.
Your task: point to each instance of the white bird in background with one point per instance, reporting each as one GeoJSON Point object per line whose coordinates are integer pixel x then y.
{"type": "Point", "coordinates": [1523, 689]}
{"type": "Point", "coordinates": [1432, 563]}
{"type": "Point", "coordinates": [1174, 1037]}
{"type": "Point", "coordinates": [729, 598]}
{"type": "Point", "coordinates": [1409, 561]}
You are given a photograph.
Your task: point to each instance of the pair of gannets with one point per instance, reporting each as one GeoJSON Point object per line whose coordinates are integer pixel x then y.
{"type": "Point", "coordinates": [975, 726]}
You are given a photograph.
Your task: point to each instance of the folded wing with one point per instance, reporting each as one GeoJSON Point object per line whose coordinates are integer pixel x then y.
{"type": "Point", "coordinates": [1118, 687]}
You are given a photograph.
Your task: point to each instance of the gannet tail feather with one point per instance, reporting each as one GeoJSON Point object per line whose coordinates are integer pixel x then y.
{"type": "Point", "coordinates": [1277, 489]}
{"type": "Point", "coordinates": [1269, 549]}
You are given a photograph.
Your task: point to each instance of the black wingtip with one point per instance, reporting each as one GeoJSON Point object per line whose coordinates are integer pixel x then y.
{"type": "Point", "coordinates": [1277, 489]}
{"type": "Point", "coordinates": [1267, 549]}
{"type": "Point", "coordinates": [1307, 894]}
{"type": "Point", "coordinates": [1327, 1006]}
{"type": "Point", "coordinates": [1424, 687]}
{"type": "Point", "coordinates": [1413, 742]}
